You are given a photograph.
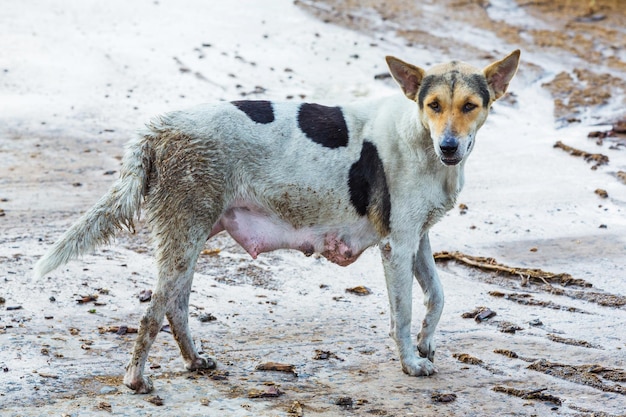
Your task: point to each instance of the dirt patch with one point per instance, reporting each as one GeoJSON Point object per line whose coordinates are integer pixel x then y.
{"type": "Point", "coordinates": [553, 283]}
{"type": "Point", "coordinates": [597, 159]}
{"type": "Point", "coordinates": [529, 300]}
{"type": "Point", "coordinates": [535, 394]}
{"type": "Point", "coordinates": [591, 375]}
{"type": "Point", "coordinates": [572, 342]}
{"type": "Point", "coordinates": [472, 360]}
{"type": "Point", "coordinates": [581, 89]}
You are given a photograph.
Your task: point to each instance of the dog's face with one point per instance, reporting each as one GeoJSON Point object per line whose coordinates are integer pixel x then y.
{"type": "Point", "coordinates": [454, 99]}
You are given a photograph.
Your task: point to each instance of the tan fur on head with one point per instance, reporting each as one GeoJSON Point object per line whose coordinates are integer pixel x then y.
{"type": "Point", "coordinates": [454, 99]}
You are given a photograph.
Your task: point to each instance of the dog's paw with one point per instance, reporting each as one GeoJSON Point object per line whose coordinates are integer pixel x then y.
{"type": "Point", "coordinates": [141, 385]}
{"type": "Point", "coordinates": [426, 348]}
{"type": "Point", "coordinates": [418, 367]}
{"type": "Point", "coordinates": [201, 363]}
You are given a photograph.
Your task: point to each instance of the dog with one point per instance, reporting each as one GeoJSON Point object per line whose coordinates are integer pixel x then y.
{"type": "Point", "coordinates": [317, 179]}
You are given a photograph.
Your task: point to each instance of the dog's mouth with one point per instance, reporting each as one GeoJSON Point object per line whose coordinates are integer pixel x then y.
{"type": "Point", "coordinates": [450, 161]}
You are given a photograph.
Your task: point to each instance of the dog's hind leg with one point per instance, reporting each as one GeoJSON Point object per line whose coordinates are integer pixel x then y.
{"type": "Point", "coordinates": [178, 247]}
{"type": "Point", "coordinates": [426, 274]}
{"type": "Point", "coordinates": [178, 316]}
{"type": "Point", "coordinates": [397, 262]}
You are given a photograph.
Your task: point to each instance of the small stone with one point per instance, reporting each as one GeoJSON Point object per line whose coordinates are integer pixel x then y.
{"type": "Point", "coordinates": [345, 402]}
{"type": "Point", "coordinates": [145, 295]}
{"type": "Point", "coordinates": [360, 290]}
{"type": "Point", "coordinates": [108, 390]}
{"type": "Point", "coordinates": [443, 397]}
{"type": "Point", "coordinates": [206, 317]}
{"type": "Point", "coordinates": [602, 193]}
{"type": "Point", "coordinates": [156, 400]}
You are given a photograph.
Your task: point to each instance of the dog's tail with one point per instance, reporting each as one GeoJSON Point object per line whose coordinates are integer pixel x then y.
{"type": "Point", "coordinates": [115, 210]}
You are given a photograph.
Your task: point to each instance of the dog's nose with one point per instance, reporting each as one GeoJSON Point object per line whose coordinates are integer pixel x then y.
{"type": "Point", "coordinates": [449, 146]}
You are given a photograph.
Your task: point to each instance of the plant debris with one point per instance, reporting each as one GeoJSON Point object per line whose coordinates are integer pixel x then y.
{"type": "Point", "coordinates": [526, 274]}
{"type": "Point", "coordinates": [345, 402]}
{"type": "Point", "coordinates": [156, 400]}
{"type": "Point", "coordinates": [507, 327]}
{"type": "Point", "coordinates": [120, 330]}
{"type": "Point", "coordinates": [104, 406]}
{"type": "Point", "coordinates": [618, 128]}
{"type": "Point", "coordinates": [87, 298]}
{"type": "Point", "coordinates": [214, 374]}
{"type": "Point", "coordinates": [296, 409]}
{"type": "Point", "coordinates": [479, 314]}
{"type": "Point", "coordinates": [513, 355]}
{"type": "Point", "coordinates": [597, 158]}
{"type": "Point", "coordinates": [529, 300]}
{"type": "Point", "coordinates": [270, 392]}
{"type": "Point", "coordinates": [211, 252]}
{"type": "Point", "coordinates": [360, 290]}
{"type": "Point", "coordinates": [471, 360]}
{"type": "Point", "coordinates": [279, 367]}
{"type": "Point", "coordinates": [601, 193]}
{"type": "Point", "coordinates": [583, 374]}
{"type": "Point", "coordinates": [439, 397]}
{"type": "Point", "coordinates": [537, 394]}
{"type": "Point", "coordinates": [507, 353]}
{"type": "Point", "coordinates": [600, 298]}
{"type": "Point", "coordinates": [572, 342]}
{"type": "Point", "coordinates": [321, 355]}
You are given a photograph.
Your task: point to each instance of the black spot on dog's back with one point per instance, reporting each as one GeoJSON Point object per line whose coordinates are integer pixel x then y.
{"type": "Point", "coordinates": [368, 188]}
{"type": "Point", "coordinates": [260, 111]}
{"type": "Point", "coordinates": [323, 125]}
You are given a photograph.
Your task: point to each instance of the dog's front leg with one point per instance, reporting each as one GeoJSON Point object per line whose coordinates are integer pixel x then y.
{"type": "Point", "coordinates": [398, 264]}
{"type": "Point", "coordinates": [426, 275]}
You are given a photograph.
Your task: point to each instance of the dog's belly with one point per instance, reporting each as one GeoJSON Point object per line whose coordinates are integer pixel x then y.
{"type": "Point", "coordinates": [258, 232]}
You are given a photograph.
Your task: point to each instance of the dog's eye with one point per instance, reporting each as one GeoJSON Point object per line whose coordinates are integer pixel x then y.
{"type": "Point", "coordinates": [435, 106]}
{"type": "Point", "coordinates": [468, 107]}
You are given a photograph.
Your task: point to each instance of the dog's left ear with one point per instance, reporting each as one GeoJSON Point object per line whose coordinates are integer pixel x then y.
{"type": "Point", "coordinates": [500, 73]}
{"type": "Point", "coordinates": [408, 76]}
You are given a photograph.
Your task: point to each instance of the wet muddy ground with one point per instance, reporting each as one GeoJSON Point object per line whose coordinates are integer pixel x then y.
{"type": "Point", "coordinates": [535, 285]}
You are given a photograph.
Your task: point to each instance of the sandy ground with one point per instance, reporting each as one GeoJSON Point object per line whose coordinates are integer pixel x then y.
{"type": "Point", "coordinates": [76, 81]}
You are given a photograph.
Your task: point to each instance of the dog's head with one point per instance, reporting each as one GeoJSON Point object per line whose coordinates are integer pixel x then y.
{"type": "Point", "coordinates": [454, 99]}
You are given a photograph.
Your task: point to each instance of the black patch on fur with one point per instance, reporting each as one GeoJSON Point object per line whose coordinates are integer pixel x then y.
{"type": "Point", "coordinates": [478, 83]}
{"type": "Point", "coordinates": [427, 84]}
{"type": "Point", "coordinates": [259, 111]}
{"type": "Point", "coordinates": [368, 188]}
{"type": "Point", "coordinates": [323, 125]}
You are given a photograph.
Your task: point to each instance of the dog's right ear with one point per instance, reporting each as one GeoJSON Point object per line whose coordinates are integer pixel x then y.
{"type": "Point", "coordinates": [408, 76]}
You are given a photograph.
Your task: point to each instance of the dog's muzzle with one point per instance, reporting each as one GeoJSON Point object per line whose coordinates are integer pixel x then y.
{"type": "Point", "coordinates": [449, 147]}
